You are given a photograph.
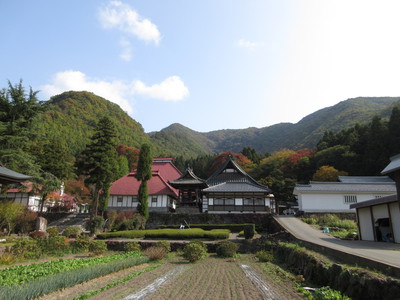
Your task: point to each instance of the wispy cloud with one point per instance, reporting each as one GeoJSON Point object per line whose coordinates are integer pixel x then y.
{"type": "Point", "coordinates": [117, 91]}
{"type": "Point", "coordinates": [117, 15]}
{"type": "Point", "coordinates": [248, 45]}
{"type": "Point", "coordinates": [126, 46]}
{"type": "Point", "coordinates": [171, 89]}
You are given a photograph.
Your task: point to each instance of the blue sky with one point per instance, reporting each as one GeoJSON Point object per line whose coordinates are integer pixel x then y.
{"type": "Point", "coordinates": [207, 64]}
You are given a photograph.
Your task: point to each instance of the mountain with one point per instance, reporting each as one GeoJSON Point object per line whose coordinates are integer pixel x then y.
{"type": "Point", "coordinates": [72, 117]}
{"type": "Point", "coordinates": [304, 134]}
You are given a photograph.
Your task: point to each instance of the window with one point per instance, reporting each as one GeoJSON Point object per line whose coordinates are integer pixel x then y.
{"type": "Point", "coordinates": [248, 201]}
{"type": "Point", "coordinates": [119, 199]}
{"type": "Point", "coordinates": [259, 202]}
{"type": "Point", "coordinates": [377, 197]}
{"type": "Point", "coordinates": [135, 198]}
{"type": "Point", "coordinates": [350, 199]}
{"type": "Point", "coordinates": [229, 201]}
{"type": "Point", "coordinates": [218, 201]}
{"type": "Point", "coordinates": [153, 199]}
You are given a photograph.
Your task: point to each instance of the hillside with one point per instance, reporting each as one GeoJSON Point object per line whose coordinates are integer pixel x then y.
{"type": "Point", "coordinates": [72, 116]}
{"type": "Point", "coordinates": [303, 134]}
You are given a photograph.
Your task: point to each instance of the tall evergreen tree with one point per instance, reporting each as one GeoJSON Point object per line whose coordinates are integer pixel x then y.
{"type": "Point", "coordinates": [99, 163]}
{"type": "Point", "coordinates": [394, 131]}
{"type": "Point", "coordinates": [143, 174]}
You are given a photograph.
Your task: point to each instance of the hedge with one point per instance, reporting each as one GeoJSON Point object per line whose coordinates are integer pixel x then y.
{"type": "Point", "coordinates": [232, 227]}
{"type": "Point", "coordinates": [177, 234]}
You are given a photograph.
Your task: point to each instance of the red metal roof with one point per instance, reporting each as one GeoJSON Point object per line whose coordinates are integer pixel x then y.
{"type": "Point", "coordinates": [163, 170]}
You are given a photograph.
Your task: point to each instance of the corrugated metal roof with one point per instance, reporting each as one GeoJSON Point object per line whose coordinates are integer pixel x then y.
{"type": "Point", "coordinates": [346, 187]}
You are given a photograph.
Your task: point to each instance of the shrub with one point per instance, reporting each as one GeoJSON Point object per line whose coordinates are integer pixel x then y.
{"type": "Point", "coordinates": [164, 244]}
{"type": "Point", "coordinates": [26, 248]}
{"type": "Point", "coordinates": [56, 245]}
{"type": "Point", "coordinates": [155, 252]}
{"type": "Point", "coordinates": [227, 249]}
{"type": "Point", "coordinates": [132, 246]}
{"type": "Point", "coordinates": [38, 234]}
{"type": "Point", "coordinates": [264, 256]}
{"type": "Point", "coordinates": [82, 243]}
{"type": "Point", "coordinates": [7, 258]}
{"type": "Point", "coordinates": [53, 231]}
{"type": "Point", "coordinates": [95, 224]}
{"type": "Point", "coordinates": [27, 222]}
{"type": "Point", "coordinates": [249, 231]}
{"type": "Point", "coordinates": [130, 234]}
{"type": "Point", "coordinates": [326, 293]}
{"type": "Point", "coordinates": [98, 247]}
{"type": "Point", "coordinates": [195, 251]}
{"type": "Point", "coordinates": [72, 231]}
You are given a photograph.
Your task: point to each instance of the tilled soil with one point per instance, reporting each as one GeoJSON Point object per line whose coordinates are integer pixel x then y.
{"type": "Point", "coordinates": [211, 278]}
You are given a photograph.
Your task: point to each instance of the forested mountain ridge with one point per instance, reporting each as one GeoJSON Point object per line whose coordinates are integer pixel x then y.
{"type": "Point", "coordinates": [72, 116]}
{"type": "Point", "coordinates": [304, 134]}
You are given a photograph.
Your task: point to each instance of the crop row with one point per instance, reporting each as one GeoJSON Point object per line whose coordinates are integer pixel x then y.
{"type": "Point", "coordinates": [177, 234]}
{"type": "Point", "coordinates": [48, 284]}
{"type": "Point", "coordinates": [20, 274]}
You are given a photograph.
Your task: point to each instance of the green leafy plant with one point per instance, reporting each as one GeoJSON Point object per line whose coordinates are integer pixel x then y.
{"type": "Point", "coordinates": [227, 249]}
{"type": "Point", "coordinates": [264, 256]}
{"type": "Point", "coordinates": [98, 247]}
{"type": "Point", "coordinates": [249, 231]}
{"type": "Point", "coordinates": [82, 243]}
{"type": "Point", "coordinates": [72, 231]}
{"type": "Point", "coordinates": [195, 251]}
{"type": "Point", "coordinates": [26, 248]}
{"type": "Point", "coordinates": [52, 231]}
{"type": "Point", "coordinates": [132, 246]}
{"type": "Point", "coordinates": [95, 224]}
{"type": "Point", "coordinates": [326, 293]}
{"type": "Point", "coordinates": [164, 244]}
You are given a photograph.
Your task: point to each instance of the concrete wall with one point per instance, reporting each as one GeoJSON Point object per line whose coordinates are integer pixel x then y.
{"type": "Point", "coordinates": [365, 223]}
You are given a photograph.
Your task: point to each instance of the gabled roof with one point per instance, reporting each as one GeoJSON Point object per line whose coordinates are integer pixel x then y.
{"type": "Point", "coordinates": [162, 171]}
{"type": "Point", "coordinates": [188, 179]}
{"type": "Point", "coordinates": [236, 187]}
{"type": "Point", "coordinates": [238, 179]}
{"type": "Point", "coordinates": [8, 176]}
{"type": "Point", "coordinates": [393, 166]}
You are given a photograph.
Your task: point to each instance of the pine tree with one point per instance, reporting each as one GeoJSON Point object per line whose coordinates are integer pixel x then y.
{"type": "Point", "coordinates": [394, 131]}
{"type": "Point", "coordinates": [99, 163]}
{"type": "Point", "coordinates": [143, 174]}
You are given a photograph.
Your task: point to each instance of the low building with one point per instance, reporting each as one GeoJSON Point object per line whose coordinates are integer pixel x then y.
{"type": "Point", "coordinates": [336, 197]}
{"type": "Point", "coordinates": [24, 195]}
{"type": "Point", "coordinates": [162, 196]}
{"type": "Point", "coordinates": [231, 190]}
{"type": "Point", "coordinates": [379, 219]}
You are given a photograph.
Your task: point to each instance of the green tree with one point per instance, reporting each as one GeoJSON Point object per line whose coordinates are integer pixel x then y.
{"type": "Point", "coordinates": [143, 174]}
{"type": "Point", "coordinates": [10, 213]}
{"type": "Point", "coordinates": [17, 112]}
{"type": "Point", "coordinates": [394, 131]}
{"type": "Point", "coordinates": [99, 163]}
{"type": "Point", "coordinates": [328, 173]}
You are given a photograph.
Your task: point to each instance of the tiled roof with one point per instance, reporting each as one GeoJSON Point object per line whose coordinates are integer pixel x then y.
{"type": "Point", "coordinates": [8, 176]}
{"type": "Point", "coordinates": [157, 185]}
{"type": "Point", "coordinates": [237, 181]}
{"type": "Point", "coordinates": [237, 187]}
{"type": "Point", "coordinates": [188, 179]}
{"type": "Point", "coordinates": [365, 179]}
{"type": "Point", "coordinates": [346, 187]}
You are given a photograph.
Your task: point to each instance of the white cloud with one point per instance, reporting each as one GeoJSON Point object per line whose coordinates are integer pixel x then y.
{"type": "Point", "coordinates": [171, 89]}
{"type": "Point", "coordinates": [115, 91]}
{"type": "Point", "coordinates": [126, 53]}
{"type": "Point", "coordinates": [122, 17]}
{"type": "Point", "coordinates": [119, 92]}
{"type": "Point", "coordinates": [247, 44]}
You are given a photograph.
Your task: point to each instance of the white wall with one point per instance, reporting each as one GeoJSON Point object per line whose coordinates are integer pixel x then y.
{"type": "Point", "coordinates": [366, 226]}
{"type": "Point", "coordinates": [330, 202]}
{"type": "Point", "coordinates": [395, 215]}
